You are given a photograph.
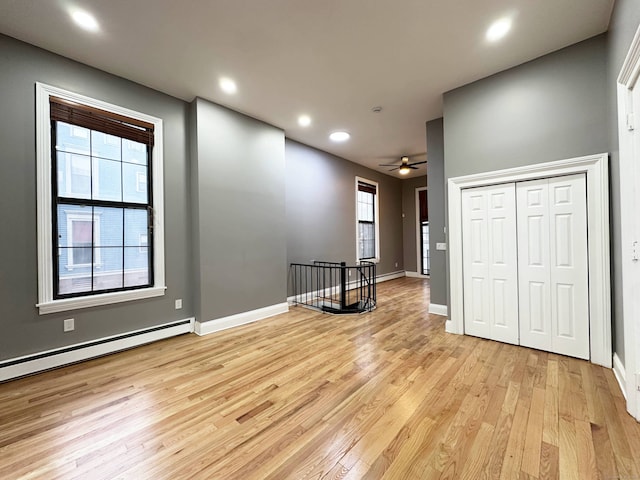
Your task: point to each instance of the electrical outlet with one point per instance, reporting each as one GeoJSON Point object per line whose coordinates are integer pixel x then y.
{"type": "Point", "coordinates": [69, 325]}
{"type": "Point", "coordinates": [396, 264]}
{"type": "Point", "coordinates": [178, 303]}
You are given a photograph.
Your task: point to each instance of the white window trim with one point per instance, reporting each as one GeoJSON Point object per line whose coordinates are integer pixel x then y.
{"type": "Point", "coordinates": [46, 303]}
{"type": "Point", "coordinates": [376, 211]}
{"type": "Point", "coordinates": [596, 169]}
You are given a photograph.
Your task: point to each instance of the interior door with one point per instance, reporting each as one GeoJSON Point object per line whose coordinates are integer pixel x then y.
{"type": "Point", "coordinates": [490, 262]}
{"type": "Point", "coordinates": [553, 265]}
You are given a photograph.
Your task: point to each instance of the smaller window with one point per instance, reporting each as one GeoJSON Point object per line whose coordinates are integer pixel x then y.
{"type": "Point", "coordinates": [367, 233]}
{"type": "Point", "coordinates": [141, 182]}
{"type": "Point", "coordinates": [143, 243]}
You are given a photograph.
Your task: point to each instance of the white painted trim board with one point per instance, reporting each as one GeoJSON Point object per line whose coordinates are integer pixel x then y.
{"type": "Point", "coordinates": [596, 169]}
{"type": "Point", "coordinates": [224, 323]}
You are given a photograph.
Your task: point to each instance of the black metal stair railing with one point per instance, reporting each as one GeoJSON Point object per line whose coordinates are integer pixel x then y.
{"type": "Point", "coordinates": [334, 287]}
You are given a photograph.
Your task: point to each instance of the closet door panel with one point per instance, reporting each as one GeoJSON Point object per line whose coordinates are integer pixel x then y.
{"type": "Point", "coordinates": [503, 263]}
{"type": "Point", "coordinates": [534, 269]}
{"type": "Point", "coordinates": [569, 265]}
{"type": "Point", "coordinates": [476, 263]}
{"type": "Point", "coordinates": [490, 263]}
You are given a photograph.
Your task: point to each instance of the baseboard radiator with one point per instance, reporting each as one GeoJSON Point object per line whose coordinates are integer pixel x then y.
{"type": "Point", "coordinates": [41, 361]}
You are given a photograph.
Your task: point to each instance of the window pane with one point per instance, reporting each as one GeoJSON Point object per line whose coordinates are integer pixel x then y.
{"type": "Point", "coordinates": [136, 266]}
{"type": "Point", "coordinates": [134, 183]}
{"type": "Point", "coordinates": [134, 152]}
{"type": "Point", "coordinates": [72, 279]}
{"type": "Point", "coordinates": [107, 181]}
{"type": "Point", "coordinates": [108, 231]}
{"type": "Point", "coordinates": [366, 240]}
{"type": "Point", "coordinates": [72, 139]}
{"type": "Point", "coordinates": [135, 221]}
{"type": "Point", "coordinates": [74, 226]}
{"type": "Point", "coordinates": [106, 146]}
{"type": "Point", "coordinates": [74, 175]}
{"type": "Point", "coordinates": [109, 274]}
{"type": "Point", "coordinates": [365, 206]}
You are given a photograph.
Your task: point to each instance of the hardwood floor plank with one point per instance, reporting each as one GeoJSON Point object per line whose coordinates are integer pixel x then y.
{"type": "Point", "coordinates": [305, 395]}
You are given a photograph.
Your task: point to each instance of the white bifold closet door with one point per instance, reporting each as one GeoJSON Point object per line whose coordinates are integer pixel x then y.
{"type": "Point", "coordinates": [553, 265]}
{"type": "Point", "coordinates": [490, 262]}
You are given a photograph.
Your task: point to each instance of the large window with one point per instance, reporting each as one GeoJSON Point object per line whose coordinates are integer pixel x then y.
{"type": "Point", "coordinates": [367, 219]}
{"type": "Point", "coordinates": [99, 202]}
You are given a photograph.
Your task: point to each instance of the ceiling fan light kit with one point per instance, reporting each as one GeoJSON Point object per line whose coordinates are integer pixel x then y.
{"type": "Point", "coordinates": [404, 167]}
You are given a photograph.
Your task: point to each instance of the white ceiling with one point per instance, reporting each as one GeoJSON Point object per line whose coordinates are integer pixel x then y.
{"type": "Point", "coordinates": [332, 59]}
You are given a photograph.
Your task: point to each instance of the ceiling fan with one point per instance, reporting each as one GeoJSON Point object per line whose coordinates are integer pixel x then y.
{"type": "Point", "coordinates": [404, 167]}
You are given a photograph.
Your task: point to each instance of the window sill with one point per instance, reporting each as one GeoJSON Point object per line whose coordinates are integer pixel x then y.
{"type": "Point", "coordinates": [76, 303]}
{"type": "Point", "coordinates": [372, 260]}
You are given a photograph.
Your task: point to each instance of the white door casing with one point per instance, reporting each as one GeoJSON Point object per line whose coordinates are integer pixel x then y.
{"type": "Point", "coordinates": [596, 169]}
{"type": "Point", "coordinates": [628, 93]}
{"type": "Point", "coordinates": [490, 263]}
{"type": "Point", "coordinates": [552, 265]}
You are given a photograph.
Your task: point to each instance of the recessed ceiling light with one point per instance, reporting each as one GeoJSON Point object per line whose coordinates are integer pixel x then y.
{"type": "Point", "coordinates": [498, 29]}
{"type": "Point", "coordinates": [228, 86]}
{"type": "Point", "coordinates": [339, 136]}
{"type": "Point", "coordinates": [304, 120]}
{"type": "Point", "coordinates": [85, 20]}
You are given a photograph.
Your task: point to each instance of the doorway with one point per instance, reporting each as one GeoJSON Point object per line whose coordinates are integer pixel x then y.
{"type": "Point", "coordinates": [423, 261]}
{"type": "Point", "coordinates": [627, 369]}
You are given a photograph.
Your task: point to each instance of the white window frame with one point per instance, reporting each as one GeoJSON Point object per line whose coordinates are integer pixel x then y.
{"type": "Point", "coordinates": [46, 303]}
{"type": "Point", "coordinates": [376, 212]}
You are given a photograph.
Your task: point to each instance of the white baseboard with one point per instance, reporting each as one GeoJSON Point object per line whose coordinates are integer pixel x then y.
{"type": "Point", "coordinates": [415, 275]}
{"type": "Point", "coordinates": [37, 362]}
{"type": "Point", "coordinates": [449, 327]}
{"type": "Point", "coordinates": [385, 277]}
{"type": "Point", "coordinates": [438, 309]}
{"type": "Point", "coordinates": [211, 326]}
{"type": "Point", "coordinates": [619, 372]}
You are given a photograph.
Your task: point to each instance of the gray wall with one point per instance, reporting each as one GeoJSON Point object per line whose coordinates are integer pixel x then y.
{"type": "Point", "coordinates": [320, 195]}
{"type": "Point", "coordinates": [239, 223]}
{"type": "Point", "coordinates": [624, 22]}
{"type": "Point", "coordinates": [24, 331]}
{"type": "Point", "coordinates": [409, 246]}
{"type": "Point", "coordinates": [436, 198]}
{"type": "Point", "coordinates": [552, 108]}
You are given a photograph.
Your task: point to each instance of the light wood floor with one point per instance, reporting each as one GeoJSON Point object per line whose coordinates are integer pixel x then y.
{"type": "Point", "coordinates": [386, 395]}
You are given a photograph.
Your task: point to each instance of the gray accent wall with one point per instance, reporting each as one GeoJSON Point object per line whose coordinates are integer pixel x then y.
{"type": "Point", "coordinates": [436, 199]}
{"type": "Point", "coordinates": [239, 222]}
{"type": "Point", "coordinates": [321, 209]}
{"type": "Point", "coordinates": [624, 23]}
{"type": "Point", "coordinates": [24, 331]}
{"type": "Point", "coordinates": [551, 108]}
{"type": "Point", "coordinates": [409, 225]}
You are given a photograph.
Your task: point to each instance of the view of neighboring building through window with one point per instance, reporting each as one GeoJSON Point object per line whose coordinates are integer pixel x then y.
{"type": "Point", "coordinates": [102, 201]}
{"type": "Point", "coordinates": [424, 232]}
{"type": "Point", "coordinates": [366, 217]}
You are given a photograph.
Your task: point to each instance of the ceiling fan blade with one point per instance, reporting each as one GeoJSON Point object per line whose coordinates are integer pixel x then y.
{"type": "Point", "coordinates": [416, 163]}
{"type": "Point", "coordinates": [394, 169]}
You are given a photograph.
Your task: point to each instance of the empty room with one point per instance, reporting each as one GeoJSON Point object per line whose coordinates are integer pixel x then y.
{"type": "Point", "coordinates": [319, 240]}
